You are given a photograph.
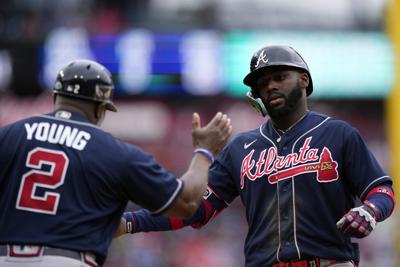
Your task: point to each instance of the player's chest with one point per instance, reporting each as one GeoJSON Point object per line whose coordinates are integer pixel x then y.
{"type": "Point", "coordinates": [271, 162]}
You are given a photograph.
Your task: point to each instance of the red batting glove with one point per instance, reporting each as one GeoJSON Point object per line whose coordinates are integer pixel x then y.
{"type": "Point", "coordinates": [358, 222]}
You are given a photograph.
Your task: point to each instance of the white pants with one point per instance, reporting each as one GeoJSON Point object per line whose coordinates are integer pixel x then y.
{"type": "Point", "coordinates": [43, 256]}
{"type": "Point", "coordinates": [40, 261]}
{"type": "Point", "coordinates": [339, 264]}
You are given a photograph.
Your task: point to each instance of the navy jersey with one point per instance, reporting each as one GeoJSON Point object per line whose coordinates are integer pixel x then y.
{"type": "Point", "coordinates": [295, 186]}
{"type": "Point", "coordinates": [65, 183]}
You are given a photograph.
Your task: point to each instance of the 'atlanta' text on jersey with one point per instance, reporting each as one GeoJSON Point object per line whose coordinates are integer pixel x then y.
{"type": "Point", "coordinates": [273, 166]}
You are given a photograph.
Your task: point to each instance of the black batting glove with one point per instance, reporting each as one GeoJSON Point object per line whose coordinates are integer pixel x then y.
{"type": "Point", "coordinates": [358, 222]}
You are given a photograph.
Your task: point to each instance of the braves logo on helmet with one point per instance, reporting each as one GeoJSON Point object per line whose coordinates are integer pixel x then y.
{"type": "Point", "coordinates": [278, 56]}
{"type": "Point", "coordinates": [261, 58]}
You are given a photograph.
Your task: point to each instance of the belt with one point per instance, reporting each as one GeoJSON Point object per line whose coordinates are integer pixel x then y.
{"type": "Point", "coordinates": [29, 251]}
{"type": "Point", "coordinates": [305, 263]}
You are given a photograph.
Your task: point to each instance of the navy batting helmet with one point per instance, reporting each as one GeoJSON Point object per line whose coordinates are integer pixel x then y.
{"type": "Point", "coordinates": [271, 57]}
{"type": "Point", "coordinates": [276, 56]}
{"type": "Point", "coordinates": [88, 80]}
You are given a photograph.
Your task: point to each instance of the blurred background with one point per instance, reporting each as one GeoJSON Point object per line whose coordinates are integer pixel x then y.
{"type": "Point", "coordinates": [170, 58]}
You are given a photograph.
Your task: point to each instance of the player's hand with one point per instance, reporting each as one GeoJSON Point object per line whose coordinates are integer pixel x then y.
{"type": "Point", "coordinates": [122, 229]}
{"type": "Point", "coordinates": [214, 135]}
{"type": "Point", "coordinates": [358, 222]}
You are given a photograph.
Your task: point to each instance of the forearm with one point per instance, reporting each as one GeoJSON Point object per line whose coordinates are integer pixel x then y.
{"type": "Point", "coordinates": [361, 221]}
{"type": "Point", "coordinates": [143, 221]}
{"type": "Point", "coordinates": [195, 183]}
{"type": "Point", "coordinates": [382, 200]}
{"type": "Point", "coordinates": [207, 141]}
{"type": "Point", "coordinates": [121, 228]}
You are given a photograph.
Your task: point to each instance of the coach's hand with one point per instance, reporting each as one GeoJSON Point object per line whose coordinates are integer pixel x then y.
{"type": "Point", "coordinates": [214, 135]}
{"type": "Point", "coordinates": [358, 222]}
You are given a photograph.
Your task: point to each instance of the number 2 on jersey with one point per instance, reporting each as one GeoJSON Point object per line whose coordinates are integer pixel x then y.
{"type": "Point", "coordinates": [46, 202]}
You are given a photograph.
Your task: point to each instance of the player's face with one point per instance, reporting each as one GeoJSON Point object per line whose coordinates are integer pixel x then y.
{"type": "Point", "coordinates": [280, 91]}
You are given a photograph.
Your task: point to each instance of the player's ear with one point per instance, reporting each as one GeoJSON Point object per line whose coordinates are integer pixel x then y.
{"type": "Point", "coordinates": [304, 80]}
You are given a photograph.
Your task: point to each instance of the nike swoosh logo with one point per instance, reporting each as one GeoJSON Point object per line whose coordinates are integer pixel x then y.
{"type": "Point", "coordinates": [246, 146]}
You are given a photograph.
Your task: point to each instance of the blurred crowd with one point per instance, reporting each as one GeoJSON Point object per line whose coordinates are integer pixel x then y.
{"type": "Point", "coordinates": [220, 243]}
{"type": "Point", "coordinates": [31, 20]}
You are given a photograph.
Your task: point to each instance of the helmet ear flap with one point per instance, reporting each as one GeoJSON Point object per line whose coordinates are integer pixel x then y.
{"type": "Point", "coordinates": [256, 103]}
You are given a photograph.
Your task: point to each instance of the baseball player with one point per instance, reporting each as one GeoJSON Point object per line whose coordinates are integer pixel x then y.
{"type": "Point", "coordinates": [64, 183]}
{"type": "Point", "coordinates": [308, 182]}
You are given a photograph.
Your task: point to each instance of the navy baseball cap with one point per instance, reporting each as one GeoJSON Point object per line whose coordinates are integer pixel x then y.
{"type": "Point", "coordinates": [272, 57]}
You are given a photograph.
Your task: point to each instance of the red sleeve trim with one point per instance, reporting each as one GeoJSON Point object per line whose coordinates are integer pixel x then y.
{"type": "Point", "coordinates": [208, 214]}
{"type": "Point", "coordinates": [208, 210]}
{"type": "Point", "coordinates": [176, 223]}
{"type": "Point", "coordinates": [382, 190]}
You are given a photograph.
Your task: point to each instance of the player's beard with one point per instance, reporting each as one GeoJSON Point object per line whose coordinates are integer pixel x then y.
{"type": "Point", "coordinates": [290, 105]}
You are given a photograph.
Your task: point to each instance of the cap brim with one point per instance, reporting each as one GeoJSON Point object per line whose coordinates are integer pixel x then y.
{"type": "Point", "coordinates": [251, 78]}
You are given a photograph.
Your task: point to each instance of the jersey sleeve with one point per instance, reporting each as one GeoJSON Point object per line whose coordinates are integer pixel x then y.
{"type": "Point", "coordinates": [143, 221]}
{"type": "Point", "coordinates": [148, 184]}
{"type": "Point", "coordinates": [361, 167]}
{"type": "Point", "coordinates": [220, 179]}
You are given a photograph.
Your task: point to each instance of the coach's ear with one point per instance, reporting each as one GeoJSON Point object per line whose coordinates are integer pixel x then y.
{"type": "Point", "coordinates": [100, 113]}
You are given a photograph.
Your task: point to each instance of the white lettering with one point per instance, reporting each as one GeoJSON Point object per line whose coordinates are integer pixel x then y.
{"type": "Point", "coordinates": [68, 136]}
{"type": "Point", "coordinates": [81, 140]}
{"type": "Point", "coordinates": [42, 131]}
{"type": "Point", "coordinates": [57, 134]}
{"type": "Point", "coordinates": [30, 129]}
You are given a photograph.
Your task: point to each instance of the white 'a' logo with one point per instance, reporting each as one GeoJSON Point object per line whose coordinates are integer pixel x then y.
{"type": "Point", "coordinates": [261, 58]}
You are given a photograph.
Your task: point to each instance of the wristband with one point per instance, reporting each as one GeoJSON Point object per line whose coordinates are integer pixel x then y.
{"type": "Point", "coordinates": [383, 189]}
{"type": "Point", "coordinates": [130, 222]}
{"type": "Point", "coordinates": [205, 152]}
{"type": "Point", "coordinates": [371, 208]}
